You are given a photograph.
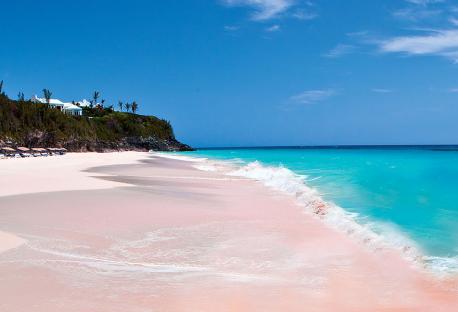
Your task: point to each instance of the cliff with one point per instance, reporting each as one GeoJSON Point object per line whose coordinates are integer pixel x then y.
{"type": "Point", "coordinates": [23, 123]}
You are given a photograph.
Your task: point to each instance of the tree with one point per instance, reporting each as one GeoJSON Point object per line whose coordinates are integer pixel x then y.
{"type": "Point", "coordinates": [21, 97]}
{"type": "Point", "coordinates": [120, 105]}
{"type": "Point", "coordinates": [103, 102]}
{"type": "Point", "coordinates": [47, 94]}
{"type": "Point", "coordinates": [134, 107]}
{"type": "Point", "coordinates": [127, 106]}
{"type": "Point", "coordinates": [1, 87]}
{"type": "Point", "coordinates": [95, 96]}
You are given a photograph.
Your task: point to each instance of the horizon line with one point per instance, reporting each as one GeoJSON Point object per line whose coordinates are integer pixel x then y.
{"type": "Point", "coordinates": [455, 145]}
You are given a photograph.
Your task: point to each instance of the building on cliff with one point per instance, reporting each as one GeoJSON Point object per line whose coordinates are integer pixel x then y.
{"type": "Point", "coordinates": [67, 108]}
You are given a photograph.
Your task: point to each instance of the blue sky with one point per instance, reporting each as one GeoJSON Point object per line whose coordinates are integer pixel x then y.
{"type": "Point", "coordinates": [249, 72]}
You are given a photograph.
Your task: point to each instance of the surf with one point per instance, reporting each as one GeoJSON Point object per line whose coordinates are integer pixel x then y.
{"type": "Point", "coordinates": [376, 235]}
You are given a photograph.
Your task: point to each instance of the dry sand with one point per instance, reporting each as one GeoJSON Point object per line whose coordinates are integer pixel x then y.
{"type": "Point", "coordinates": [143, 233]}
{"type": "Point", "coordinates": [57, 173]}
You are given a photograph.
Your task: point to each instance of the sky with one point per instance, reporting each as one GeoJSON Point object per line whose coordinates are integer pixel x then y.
{"type": "Point", "coordinates": [248, 72]}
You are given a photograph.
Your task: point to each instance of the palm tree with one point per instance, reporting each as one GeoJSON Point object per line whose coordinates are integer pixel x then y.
{"type": "Point", "coordinates": [134, 107]}
{"type": "Point", "coordinates": [103, 102]}
{"type": "Point", "coordinates": [120, 105]}
{"type": "Point", "coordinates": [47, 94]}
{"type": "Point", "coordinates": [95, 96]}
{"type": "Point", "coordinates": [21, 97]}
{"type": "Point", "coordinates": [127, 106]}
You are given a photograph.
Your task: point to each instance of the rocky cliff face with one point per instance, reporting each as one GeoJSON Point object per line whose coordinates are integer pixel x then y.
{"type": "Point", "coordinates": [128, 144]}
{"type": "Point", "coordinates": [133, 143]}
{"type": "Point", "coordinates": [100, 129]}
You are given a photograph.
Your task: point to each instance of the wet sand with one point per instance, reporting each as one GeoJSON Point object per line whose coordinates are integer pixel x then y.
{"type": "Point", "coordinates": [9, 241]}
{"type": "Point", "coordinates": [134, 232]}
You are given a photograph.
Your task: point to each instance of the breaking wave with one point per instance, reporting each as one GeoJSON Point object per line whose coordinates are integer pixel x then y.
{"type": "Point", "coordinates": [374, 235]}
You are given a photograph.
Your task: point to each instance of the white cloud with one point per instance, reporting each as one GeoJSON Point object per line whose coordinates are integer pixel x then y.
{"type": "Point", "coordinates": [231, 28]}
{"type": "Point", "coordinates": [417, 14]}
{"type": "Point", "coordinates": [313, 96]}
{"type": "Point", "coordinates": [339, 50]}
{"type": "Point", "coordinates": [424, 2]}
{"type": "Point", "coordinates": [380, 90]}
{"type": "Point", "coordinates": [264, 9]}
{"type": "Point", "coordinates": [273, 28]}
{"type": "Point", "coordinates": [441, 42]}
{"type": "Point", "coordinates": [420, 10]}
{"type": "Point", "coordinates": [304, 15]}
{"type": "Point", "coordinates": [358, 34]}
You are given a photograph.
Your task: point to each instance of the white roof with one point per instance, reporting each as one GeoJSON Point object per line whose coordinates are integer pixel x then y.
{"type": "Point", "coordinates": [51, 101]}
{"type": "Point", "coordinates": [67, 106]}
{"type": "Point", "coordinates": [70, 106]}
{"type": "Point", "coordinates": [84, 103]}
{"type": "Point", "coordinates": [55, 101]}
{"type": "Point", "coordinates": [37, 99]}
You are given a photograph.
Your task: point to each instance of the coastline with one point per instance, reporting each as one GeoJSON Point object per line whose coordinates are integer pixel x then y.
{"type": "Point", "coordinates": [369, 232]}
{"type": "Point", "coordinates": [125, 231]}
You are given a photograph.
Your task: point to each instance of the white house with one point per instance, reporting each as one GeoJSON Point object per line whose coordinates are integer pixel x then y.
{"type": "Point", "coordinates": [67, 108]}
{"type": "Point", "coordinates": [83, 103]}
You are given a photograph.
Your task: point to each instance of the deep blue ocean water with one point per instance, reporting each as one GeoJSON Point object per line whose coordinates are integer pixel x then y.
{"type": "Point", "coordinates": [412, 189]}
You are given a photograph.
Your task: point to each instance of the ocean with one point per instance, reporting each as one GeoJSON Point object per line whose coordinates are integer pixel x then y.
{"type": "Point", "coordinates": [406, 195]}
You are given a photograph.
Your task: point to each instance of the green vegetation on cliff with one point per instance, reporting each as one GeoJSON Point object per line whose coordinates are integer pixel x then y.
{"type": "Point", "coordinates": [35, 124]}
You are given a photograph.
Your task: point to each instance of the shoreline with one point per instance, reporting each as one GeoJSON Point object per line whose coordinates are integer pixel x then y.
{"type": "Point", "coordinates": [147, 225]}
{"type": "Point", "coordinates": [284, 180]}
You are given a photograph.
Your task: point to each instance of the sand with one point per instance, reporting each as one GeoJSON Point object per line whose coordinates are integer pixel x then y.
{"type": "Point", "coordinates": [57, 173]}
{"type": "Point", "coordinates": [135, 232]}
{"type": "Point", "coordinates": [9, 241]}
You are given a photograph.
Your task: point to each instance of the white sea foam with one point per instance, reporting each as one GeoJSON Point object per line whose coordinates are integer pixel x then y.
{"type": "Point", "coordinates": [375, 235]}
{"type": "Point", "coordinates": [206, 167]}
{"type": "Point", "coordinates": [442, 265]}
{"type": "Point", "coordinates": [111, 264]}
{"type": "Point", "coordinates": [178, 157]}
{"type": "Point", "coordinates": [284, 180]}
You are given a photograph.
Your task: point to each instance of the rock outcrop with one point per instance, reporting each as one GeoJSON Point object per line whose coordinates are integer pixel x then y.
{"type": "Point", "coordinates": [100, 129]}
{"type": "Point", "coordinates": [126, 144]}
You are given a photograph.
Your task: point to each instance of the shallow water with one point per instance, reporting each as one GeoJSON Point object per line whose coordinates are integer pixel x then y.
{"type": "Point", "coordinates": [399, 192]}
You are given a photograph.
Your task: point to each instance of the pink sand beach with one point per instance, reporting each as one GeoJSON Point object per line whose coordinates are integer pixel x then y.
{"type": "Point", "coordinates": [138, 232]}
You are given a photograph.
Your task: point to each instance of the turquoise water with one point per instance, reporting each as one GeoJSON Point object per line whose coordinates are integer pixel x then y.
{"type": "Point", "coordinates": [413, 190]}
